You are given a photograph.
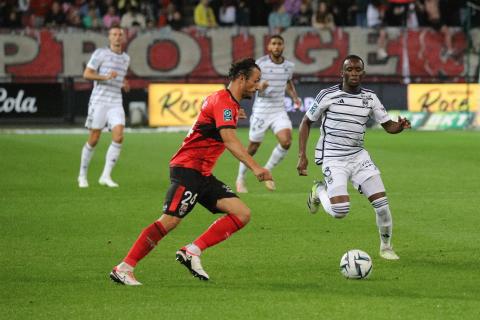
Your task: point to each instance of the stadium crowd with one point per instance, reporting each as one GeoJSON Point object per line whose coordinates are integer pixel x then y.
{"type": "Point", "coordinates": [277, 14]}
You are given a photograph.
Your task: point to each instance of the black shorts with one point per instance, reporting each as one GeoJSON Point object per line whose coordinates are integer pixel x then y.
{"type": "Point", "coordinates": [188, 187]}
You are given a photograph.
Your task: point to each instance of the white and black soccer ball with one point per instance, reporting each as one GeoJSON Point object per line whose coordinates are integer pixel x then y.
{"type": "Point", "coordinates": [356, 264]}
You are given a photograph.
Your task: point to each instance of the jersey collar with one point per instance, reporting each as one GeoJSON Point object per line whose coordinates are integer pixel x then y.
{"type": "Point", "coordinates": [231, 95]}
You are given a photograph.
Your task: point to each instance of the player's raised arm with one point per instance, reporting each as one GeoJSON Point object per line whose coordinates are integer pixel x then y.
{"type": "Point", "coordinates": [303, 133]}
{"type": "Point", "coordinates": [233, 144]}
{"type": "Point", "coordinates": [297, 103]}
{"type": "Point", "coordinates": [396, 127]}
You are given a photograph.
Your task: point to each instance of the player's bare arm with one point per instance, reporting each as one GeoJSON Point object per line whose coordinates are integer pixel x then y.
{"type": "Point", "coordinates": [303, 133]}
{"type": "Point", "coordinates": [396, 127]}
{"type": "Point", "coordinates": [293, 94]}
{"type": "Point", "coordinates": [126, 85]}
{"type": "Point", "coordinates": [91, 74]}
{"type": "Point", "coordinates": [233, 144]}
{"type": "Point", "coordinates": [242, 114]}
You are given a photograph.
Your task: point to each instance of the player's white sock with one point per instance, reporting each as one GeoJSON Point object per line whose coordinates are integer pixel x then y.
{"type": "Point", "coordinates": [384, 220]}
{"type": "Point", "coordinates": [325, 200]}
{"type": "Point", "coordinates": [277, 155]}
{"type": "Point", "coordinates": [111, 158]}
{"type": "Point", "coordinates": [87, 153]}
{"type": "Point", "coordinates": [193, 249]}
{"type": "Point", "coordinates": [242, 170]}
{"type": "Point", "coordinates": [123, 266]}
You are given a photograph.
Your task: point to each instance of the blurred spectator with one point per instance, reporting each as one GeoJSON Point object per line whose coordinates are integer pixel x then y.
{"type": "Point", "coordinates": [170, 16]}
{"type": "Point", "coordinates": [343, 12]}
{"type": "Point", "coordinates": [259, 12]}
{"type": "Point", "coordinates": [243, 14]}
{"type": "Point", "coordinates": [204, 16]}
{"type": "Point", "coordinates": [92, 20]}
{"type": "Point", "coordinates": [55, 17]}
{"type": "Point", "coordinates": [12, 18]}
{"type": "Point", "coordinates": [132, 18]}
{"type": "Point", "coordinates": [38, 10]}
{"type": "Point", "coordinates": [148, 9]}
{"type": "Point", "coordinates": [279, 20]}
{"type": "Point", "coordinates": [401, 13]}
{"type": "Point", "coordinates": [432, 18]}
{"type": "Point", "coordinates": [375, 14]}
{"type": "Point", "coordinates": [103, 6]}
{"type": "Point", "coordinates": [450, 11]}
{"type": "Point", "coordinates": [323, 18]}
{"type": "Point", "coordinates": [111, 18]}
{"type": "Point", "coordinates": [292, 7]}
{"type": "Point", "coordinates": [150, 24]}
{"type": "Point", "coordinates": [124, 5]}
{"type": "Point", "coordinates": [304, 16]}
{"type": "Point", "coordinates": [227, 13]}
{"type": "Point", "coordinates": [87, 6]}
{"type": "Point", "coordinates": [360, 10]}
{"type": "Point", "coordinates": [23, 5]}
{"type": "Point", "coordinates": [73, 18]}
{"type": "Point", "coordinates": [174, 17]}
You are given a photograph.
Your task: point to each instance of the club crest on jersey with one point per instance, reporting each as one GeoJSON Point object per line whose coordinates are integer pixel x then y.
{"type": "Point", "coordinates": [365, 100]}
{"type": "Point", "coordinates": [227, 115]}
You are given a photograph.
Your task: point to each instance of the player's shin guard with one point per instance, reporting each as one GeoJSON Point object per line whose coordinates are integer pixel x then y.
{"type": "Point", "coordinates": [87, 153]}
{"type": "Point", "coordinates": [146, 241]}
{"type": "Point", "coordinates": [384, 219]}
{"type": "Point", "coordinates": [219, 231]}
{"type": "Point", "coordinates": [340, 210]}
{"type": "Point", "coordinates": [111, 158]}
{"type": "Point", "coordinates": [277, 155]}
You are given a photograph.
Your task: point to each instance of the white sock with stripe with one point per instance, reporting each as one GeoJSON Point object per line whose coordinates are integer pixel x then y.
{"type": "Point", "coordinates": [111, 158]}
{"type": "Point", "coordinates": [87, 153]}
{"type": "Point", "coordinates": [384, 220]}
{"type": "Point", "coordinates": [277, 155]}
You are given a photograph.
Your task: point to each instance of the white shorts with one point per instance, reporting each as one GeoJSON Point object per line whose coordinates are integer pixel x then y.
{"type": "Point", "coordinates": [357, 168]}
{"type": "Point", "coordinates": [260, 123]}
{"type": "Point", "coordinates": [99, 116]}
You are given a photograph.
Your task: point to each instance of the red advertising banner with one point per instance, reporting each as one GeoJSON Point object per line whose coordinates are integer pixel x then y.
{"type": "Point", "coordinates": [193, 57]}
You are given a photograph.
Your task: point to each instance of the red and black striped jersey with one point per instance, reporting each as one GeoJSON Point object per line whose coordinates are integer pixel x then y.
{"type": "Point", "coordinates": [203, 144]}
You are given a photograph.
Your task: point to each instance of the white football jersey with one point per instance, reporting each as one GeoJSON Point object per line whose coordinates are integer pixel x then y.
{"type": "Point", "coordinates": [104, 61]}
{"type": "Point", "coordinates": [344, 120]}
{"type": "Point", "coordinates": [272, 99]}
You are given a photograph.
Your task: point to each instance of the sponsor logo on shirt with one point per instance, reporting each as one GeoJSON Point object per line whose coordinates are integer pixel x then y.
{"type": "Point", "coordinates": [227, 115]}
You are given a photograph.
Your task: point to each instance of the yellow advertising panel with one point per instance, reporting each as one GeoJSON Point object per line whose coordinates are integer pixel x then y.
{"type": "Point", "coordinates": [443, 97]}
{"type": "Point", "coordinates": [177, 104]}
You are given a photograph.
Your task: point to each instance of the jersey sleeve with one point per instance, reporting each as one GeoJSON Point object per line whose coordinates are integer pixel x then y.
{"type": "Point", "coordinates": [225, 115]}
{"type": "Point", "coordinates": [318, 106]}
{"type": "Point", "coordinates": [379, 113]}
{"type": "Point", "coordinates": [290, 74]}
{"type": "Point", "coordinates": [95, 60]}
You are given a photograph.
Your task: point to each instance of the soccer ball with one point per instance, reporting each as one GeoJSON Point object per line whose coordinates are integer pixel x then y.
{"type": "Point", "coordinates": [356, 264]}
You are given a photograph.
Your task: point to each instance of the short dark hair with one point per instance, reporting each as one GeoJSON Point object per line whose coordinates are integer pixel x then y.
{"type": "Point", "coordinates": [353, 57]}
{"type": "Point", "coordinates": [114, 26]}
{"type": "Point", "coordinates": [277, 36]}
{"type": "Point", "coordinates": [242, 67]}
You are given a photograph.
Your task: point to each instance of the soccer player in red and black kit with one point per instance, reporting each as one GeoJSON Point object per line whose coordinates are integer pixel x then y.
{"type": "Point", "coordinates": [192, 180]}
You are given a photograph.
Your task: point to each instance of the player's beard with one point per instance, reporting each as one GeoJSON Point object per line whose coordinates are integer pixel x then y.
{"type": "Point", "coordinates": [277, 55]}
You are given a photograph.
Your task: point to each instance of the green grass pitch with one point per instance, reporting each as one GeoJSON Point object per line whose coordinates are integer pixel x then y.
{"type": "Point", "coordinates": [58, 243]}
